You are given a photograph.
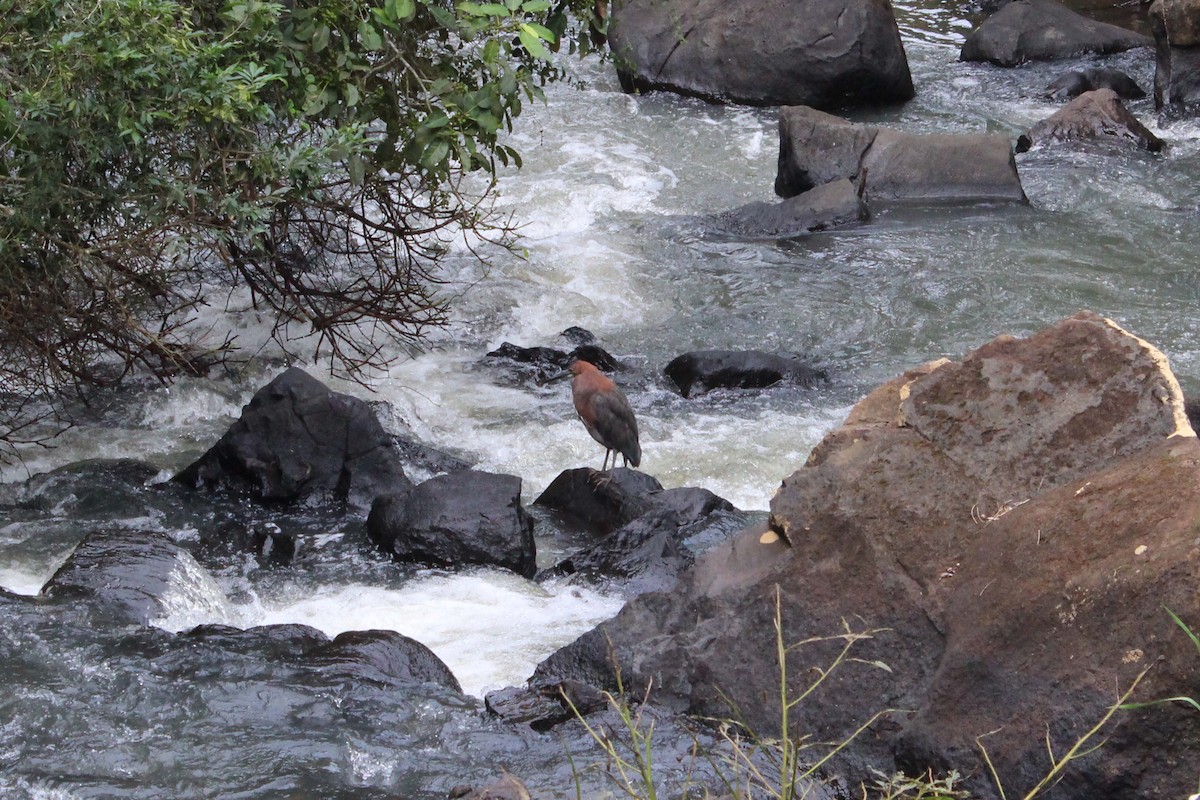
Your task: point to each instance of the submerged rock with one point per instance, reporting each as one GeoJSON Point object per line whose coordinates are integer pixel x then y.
{"type": "Point", "coordinates": [457, 519]}
{"type": "Point", "coordinates": [1098, 117]}
{"type": "Point", "coordinates": [1002, 534]}
{"type": "Point", "coordinates": [704, 370]}
{"type": "Point", "coordinates": [298, 441]}
{"type": "Point", "coordinates": [1072, 84]}
{"type": "Point", "coordinates": [823, 53]}
{"type": "Point", "coordinates": [1044, 30]}
{"type": "Point", "coordinates": [383, 657]}
{"type": "Point", "coordinates": [831, 205]}
{"type": "Point", "coordinates": [132, 577]}
{"type": "Point", "coordinates": [816, 148]}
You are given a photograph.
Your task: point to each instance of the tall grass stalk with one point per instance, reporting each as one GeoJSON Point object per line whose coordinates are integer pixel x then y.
{"type": "Point", "coordinates": [1082, 746]}
{"type": "Point", "coordinates": [792, 769]}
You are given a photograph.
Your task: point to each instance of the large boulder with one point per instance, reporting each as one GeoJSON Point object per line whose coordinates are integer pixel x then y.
{"type": "Point", "coordinates": [823, 53]}
{"type": "Point", "coordinates": [299, 441]}
{"type": "Point", "coordinates": [1176, 27]}
{"type": "Point", "coordinates": [1099, 117]}
{"type": "Point", "coordinates": [816, 148]}
{"type": "Point", "coordinates": [1044, 30]}
{"type": "Point", "coordinates": [702, 371]}
{"type": "Point", "coordinates": [458, 519]}
{"type": "Point", "coordinates": [1004, 531]}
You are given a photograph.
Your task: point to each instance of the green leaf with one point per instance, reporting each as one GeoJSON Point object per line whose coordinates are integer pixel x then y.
{"type": "Point", "coordinates": [320, 38]}
{"type": "Point", "coordinates": [435, 153]}
{"type": "Point", "coordinates": [400, 10]}
{"type": "Point", "coordinates": [535, 6]}
{"type": "Point", "coordinates": [491, 51]}
{"type": "Point", "coordinates": [542, 31]}
{"type": "Point", "coordinates": [532, 42]}
{"type": "Point", "coordinates": [483, 9]}
{"type": "Point", "coordinates": [369, 36]}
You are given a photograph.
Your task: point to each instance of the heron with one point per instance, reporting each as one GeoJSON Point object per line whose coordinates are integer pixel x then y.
{"type": "Point", "coordinates": [605, 413]}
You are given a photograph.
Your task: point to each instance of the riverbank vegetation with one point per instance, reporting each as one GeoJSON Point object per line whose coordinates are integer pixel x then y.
{"type": "Point", "coordinates": [306, 159]}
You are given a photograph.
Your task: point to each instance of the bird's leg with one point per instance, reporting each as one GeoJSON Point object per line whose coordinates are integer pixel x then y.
{"type": "Point", "coordinates": [604, 466]}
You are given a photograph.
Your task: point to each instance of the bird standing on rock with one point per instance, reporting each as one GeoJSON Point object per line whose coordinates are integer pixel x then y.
{"type": "Point", "coordinates": [605, 413]}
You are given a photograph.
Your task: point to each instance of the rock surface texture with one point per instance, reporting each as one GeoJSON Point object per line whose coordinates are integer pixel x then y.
{"type": "Point", "coordinates": [702, 371]}
{"type": "Point", "coordinates": [457, 519]}
{"type": "Point", "coordinates": [816, 148]}
{"type": "Point", "coordinates": [1098, 116]}
{"type": "Point", "coordinates": [1044, 30]}
{"type": "Point", "coordinates": [299, 441]}
{"type": "Point", "coordinates": [1007, 530]}
{"type": "Point", "coordinates": [823, 53]}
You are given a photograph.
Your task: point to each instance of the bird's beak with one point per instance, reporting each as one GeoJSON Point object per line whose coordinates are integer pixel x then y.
{"type": "Point", "coordinates": [549, 377]}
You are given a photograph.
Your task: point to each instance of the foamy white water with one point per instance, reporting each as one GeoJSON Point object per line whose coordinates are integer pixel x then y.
{"type": "Point", "coordinates": [490, 627]}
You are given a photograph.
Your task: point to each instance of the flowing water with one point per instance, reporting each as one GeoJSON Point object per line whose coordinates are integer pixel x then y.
{"type": "Point", "coordinates": [609, 201]}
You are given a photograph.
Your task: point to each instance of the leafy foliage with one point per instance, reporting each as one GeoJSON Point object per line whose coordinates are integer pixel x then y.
{"type": "Point", "coordinates": [310, 151]}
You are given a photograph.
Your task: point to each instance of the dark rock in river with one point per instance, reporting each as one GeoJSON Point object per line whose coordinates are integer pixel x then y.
{"type": "Point", "coordinates": [457, 519]}
{"type": "Point", "coordinates": [704, 370]}
{"type": "Point", "coordinates": [831, 205]}
{"type": "Point", "coordinates": [648, 534]}
{"type": "Point", "coordinates": [1097, 116]}
{"type": "Point", "coordinates": [822, 53]}
{"type": "Point", "coordinates": [599, 501]}
{"type": "Point", "coordinates": [1176, 27]}
{"type": "Point", "coordinates": [383, 657]}
{"type": "Point", "coordinates": [299, 441]}
{"type": "Point", "coordinates": [1072, 84]}
{"type": "Point", "coordinates": [269, 642]}
{"type": "Point", "coordinates": [128, 576]}
{"type": "Point", "coordinates": [649, 553]}
{"type": "Point", "coordinates": [1044, 30]}
{"type": "Point", "coordinates": [542, 364]}
{"type": "Point", "coordinates": [541, 706]}
{"type": "Point", "coordinates": [816, 148]}
{"type": "Point", "coordinates": [1004, 532]}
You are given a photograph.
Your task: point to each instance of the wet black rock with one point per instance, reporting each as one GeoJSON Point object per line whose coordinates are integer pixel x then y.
{"type": "Point", "coordinates": [647, 534]}
{"type": "Point", "coordinates": [90, 488]}
{"type": "Point", "coordinates": [1072, 84]}
{"type": "Point", "coordinates": [649, 553]}
{"type": "Point", "coordinates": [125, 576]}
{"type": "Point", "coordinates": [541, 364]}
{"type": "Point", "coordinates": [382, 657]}
{"type": "Point", "coordinates": [287, 642]}
{"type": "Point", "coordinates": [545, 704]}
{"type": "Point", "coordinates": [457, 519]}
{"type": "Point", "coordinates": [599, 501]}
{"type": "Point", "coordinates": [299, 441]}
{"type": "Point", "coordinates": [704, 370]}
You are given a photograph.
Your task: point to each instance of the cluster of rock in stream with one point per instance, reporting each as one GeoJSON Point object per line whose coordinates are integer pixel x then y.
{"type": "Point", "coordinates": [1006, 529]}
